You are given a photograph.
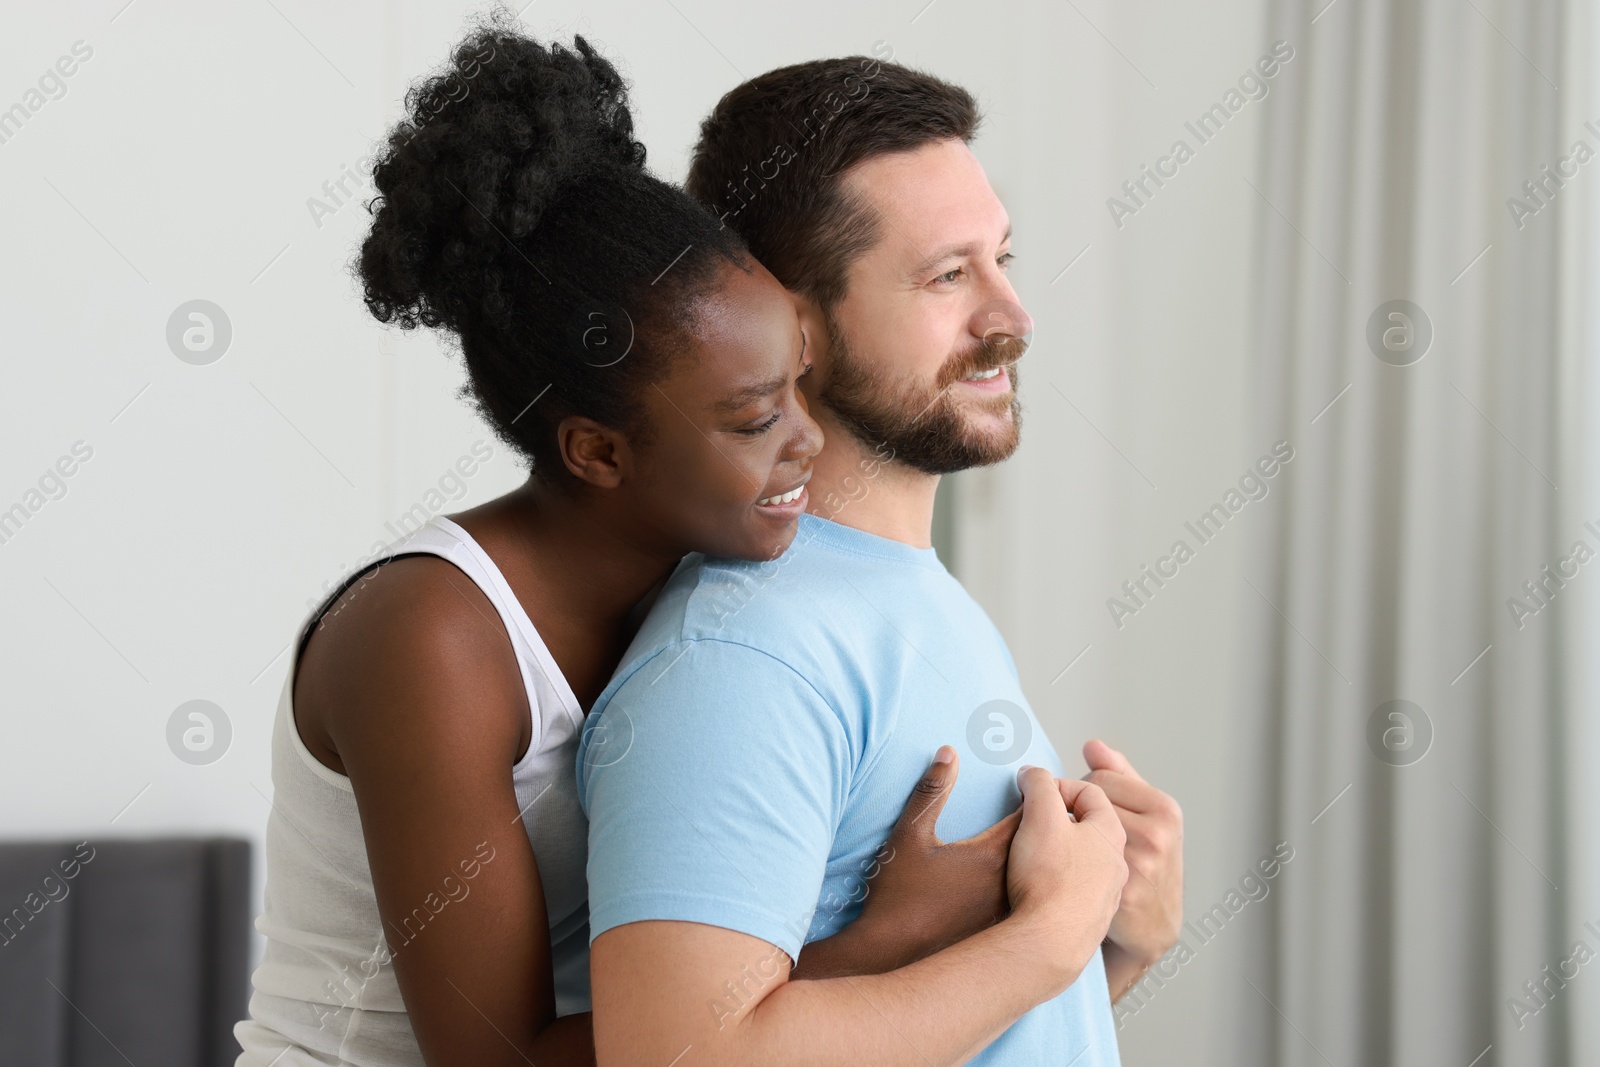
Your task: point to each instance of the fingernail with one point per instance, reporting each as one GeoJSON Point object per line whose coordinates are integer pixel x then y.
{"type": "Point", "coordinates": [946, 754]}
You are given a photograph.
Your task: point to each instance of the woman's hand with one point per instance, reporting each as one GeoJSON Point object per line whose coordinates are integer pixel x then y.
{"type": "Point", "coordinates": [924, 894]}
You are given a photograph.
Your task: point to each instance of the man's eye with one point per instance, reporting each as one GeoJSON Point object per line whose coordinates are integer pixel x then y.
{"type": "Point", "coordinates": [1005, 260]}
{"type": "Point", "coordinates": [755, 431]}
{"type": "Point", "coordinates": [951, 275]}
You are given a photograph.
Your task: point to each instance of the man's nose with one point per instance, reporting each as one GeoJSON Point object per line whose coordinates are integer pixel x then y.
{"type": "Point", "coordinates": [1001, 319]}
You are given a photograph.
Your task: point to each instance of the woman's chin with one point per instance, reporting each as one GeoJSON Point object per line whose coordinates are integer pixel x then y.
{"type": "Point", "coordinates": [766, 544]}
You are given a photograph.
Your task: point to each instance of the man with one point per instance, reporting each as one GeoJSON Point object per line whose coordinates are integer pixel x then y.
{"type": "Point", "coordinates": [760, 738]}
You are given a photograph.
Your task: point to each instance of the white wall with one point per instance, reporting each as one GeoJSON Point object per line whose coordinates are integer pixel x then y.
{"type": "Point", "coordinates": [178, 166]}
{"type": "Point", "coordinates": [1135, 395]}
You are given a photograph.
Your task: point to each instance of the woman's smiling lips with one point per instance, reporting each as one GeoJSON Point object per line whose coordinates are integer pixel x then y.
{"type": "Point", "coordinates": [790, 502]}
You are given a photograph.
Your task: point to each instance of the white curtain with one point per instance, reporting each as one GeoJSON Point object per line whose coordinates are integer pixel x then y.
{"type": "Point", "coordinates": [1425, 892]}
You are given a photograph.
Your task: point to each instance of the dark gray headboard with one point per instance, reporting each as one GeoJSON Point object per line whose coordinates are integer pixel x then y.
{"type": "Point", "coordinates": [117, 952]}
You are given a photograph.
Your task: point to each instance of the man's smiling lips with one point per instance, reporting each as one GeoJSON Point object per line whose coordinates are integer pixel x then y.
{"type": "Point", "coordinates": [991, 380]}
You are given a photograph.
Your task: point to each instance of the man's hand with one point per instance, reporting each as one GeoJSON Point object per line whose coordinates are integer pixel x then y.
{"type": "Point", "coordinates": [1147, 923]}
{"type": "Point", "coordinates": [1066, 870]}
{"type": "Point", "coordinates": [924, 893]}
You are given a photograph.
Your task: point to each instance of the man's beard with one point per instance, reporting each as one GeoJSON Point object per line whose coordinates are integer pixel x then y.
{"type": "Point", "coordinates": [918, 425]}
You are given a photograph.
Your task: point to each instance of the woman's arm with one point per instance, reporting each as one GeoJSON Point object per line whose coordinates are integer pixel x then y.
{"type": "Point", "coordinates": [922, 894]}
{"type": "Point", "coordinates": [412, 689]}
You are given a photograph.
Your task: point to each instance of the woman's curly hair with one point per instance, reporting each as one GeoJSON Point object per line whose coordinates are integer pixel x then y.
{"type": "Point", "coordinates": [515, 211]}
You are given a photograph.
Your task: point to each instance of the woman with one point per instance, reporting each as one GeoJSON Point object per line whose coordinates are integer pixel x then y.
{"type": "Point", "coordinates": [425, 893]}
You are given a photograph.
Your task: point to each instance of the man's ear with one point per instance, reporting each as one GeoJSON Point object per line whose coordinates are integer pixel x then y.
{"type": "Point", "coordinates": [815, 326]}
{"type": "Point", "coordinates": [593, 452]}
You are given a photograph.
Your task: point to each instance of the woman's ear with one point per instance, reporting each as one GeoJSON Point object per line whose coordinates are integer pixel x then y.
{"type": "Point", "coordinates": [594, 453]}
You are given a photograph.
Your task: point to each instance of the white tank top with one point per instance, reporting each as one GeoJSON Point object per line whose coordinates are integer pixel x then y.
{"type": "Point", "coordinates": [325, 991]}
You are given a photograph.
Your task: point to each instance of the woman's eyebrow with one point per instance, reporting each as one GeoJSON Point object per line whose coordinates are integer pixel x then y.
{"type": "Point", "coordinates": [751, 393]}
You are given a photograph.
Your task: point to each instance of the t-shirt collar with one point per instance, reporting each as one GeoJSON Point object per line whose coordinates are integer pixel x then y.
{"type": "Point", "coordinates": [814, 528]}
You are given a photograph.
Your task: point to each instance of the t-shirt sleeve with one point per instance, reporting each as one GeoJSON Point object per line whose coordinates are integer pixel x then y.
{"type": "Point", "coordinates": [714, 778]}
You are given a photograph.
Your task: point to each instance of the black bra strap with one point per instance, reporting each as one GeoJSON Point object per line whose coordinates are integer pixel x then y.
{"type": "Point", "coordinates": [344, 587]}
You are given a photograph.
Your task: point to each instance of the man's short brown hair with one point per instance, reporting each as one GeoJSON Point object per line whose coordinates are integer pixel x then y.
{"type": "Point", "coordinates": [773, 153]}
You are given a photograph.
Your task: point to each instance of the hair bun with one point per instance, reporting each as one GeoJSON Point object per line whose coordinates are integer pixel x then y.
{"type": "Point", "coordinates": [485, 148]}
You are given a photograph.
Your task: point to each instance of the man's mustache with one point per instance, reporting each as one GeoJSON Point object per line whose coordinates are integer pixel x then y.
{"type": "Point", "coordinates": [987, 354]}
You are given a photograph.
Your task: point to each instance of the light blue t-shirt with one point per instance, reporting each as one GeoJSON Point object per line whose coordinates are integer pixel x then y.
{"type": "Point", "coordinates": [746, 764]}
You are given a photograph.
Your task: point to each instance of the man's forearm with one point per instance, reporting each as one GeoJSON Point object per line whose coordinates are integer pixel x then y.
{"type": "Point", "coordinates": [943, 1009]}
{"type": "Point", "coordinates": [940, 1010]}
{"type": "Point", "coordinates": [1123, 969]}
